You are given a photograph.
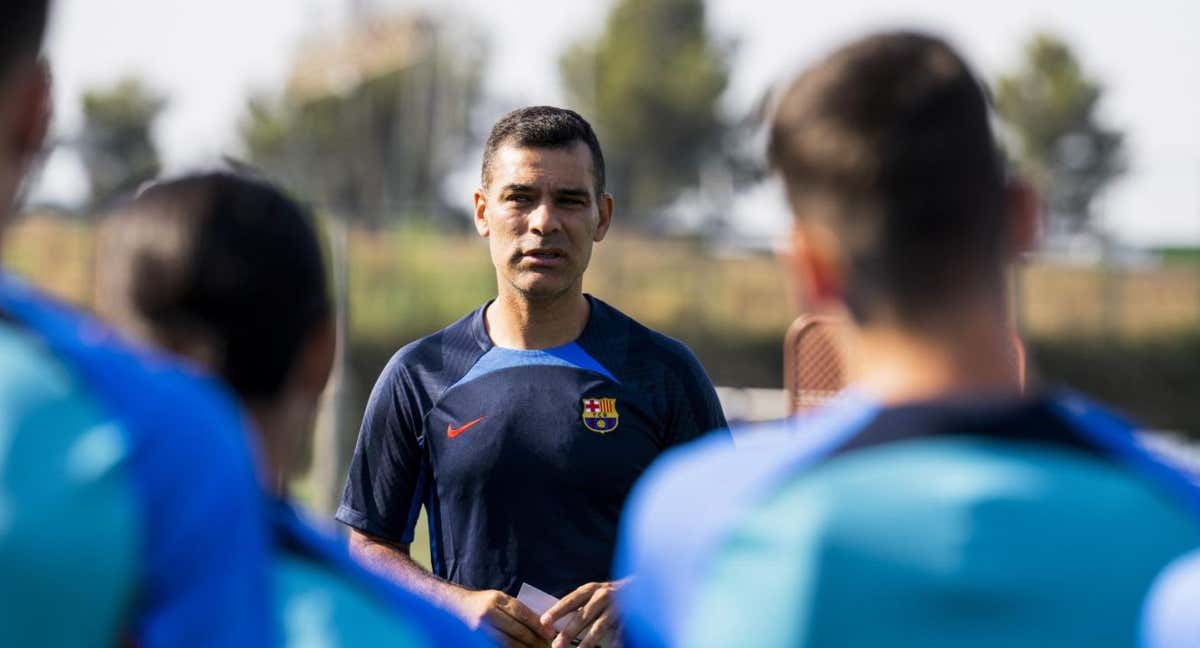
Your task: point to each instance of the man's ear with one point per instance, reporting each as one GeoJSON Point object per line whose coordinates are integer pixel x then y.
{"type": "Point", "coordinates": [481, 223]}
{"type": "Point", "coordinates": [816, 266]}
{"type": "Point", "coordinates": [605, 206]}
{"type": "Point", "coordinates": [1023, 215]}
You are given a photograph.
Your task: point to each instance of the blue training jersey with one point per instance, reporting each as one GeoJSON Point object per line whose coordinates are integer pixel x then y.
{"type": "Point", "coordinates": [324, 598]}
{"type": "Point", "coordinates": [129, 503]}
{"type": "Point", "coordinates": [1033, 522]}
{"type": "Point", "coordinates": [522, 458]}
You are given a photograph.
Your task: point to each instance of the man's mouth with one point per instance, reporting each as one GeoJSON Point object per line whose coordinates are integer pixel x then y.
{"type": "Point", "coordinates": [544, 256]}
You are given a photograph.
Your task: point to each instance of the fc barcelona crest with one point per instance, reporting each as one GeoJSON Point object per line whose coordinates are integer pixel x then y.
{"type": "Point", "coordinates": [600, 414]}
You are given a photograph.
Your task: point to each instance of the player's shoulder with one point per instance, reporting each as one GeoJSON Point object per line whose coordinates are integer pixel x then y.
{"type": "Point", "coordinates": [648, 340]}
{"type": "Point", "coordinates": [682, 508]}
{"type": "Point", "coordinates": [315, 602]}
{"type": "Point", "coordinates": [723, 472]}
{"type": "Point", "coordinates": [146, 387]}
{"type": "Point", "coordinates": [322, 592]}
{"type": "Point", "coordinates": [642, 343]}
{"type": "Point", "coordinates": [710, 472]}
{"type": "Point", "coordinates": [144, 390]}
{"type": "Point", "coordinates": [99, 359]}
{"type": "Point", "coordinates": [442, 354]}
{"type": "Point", "coordinates": [31, 374]}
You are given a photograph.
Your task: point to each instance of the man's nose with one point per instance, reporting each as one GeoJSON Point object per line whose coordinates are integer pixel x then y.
{"type": "Point", "coordinates": [544, 219]}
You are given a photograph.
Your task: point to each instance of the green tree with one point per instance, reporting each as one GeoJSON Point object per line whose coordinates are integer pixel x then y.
{"type": "Point", "coordinates": [115, 143]}
{"type": "Point", "coordinates": [650, 83]}
{"type": "Point", "coordinates": [1051, 104]}
{"type": "Point", "coordinates": [371, 123]}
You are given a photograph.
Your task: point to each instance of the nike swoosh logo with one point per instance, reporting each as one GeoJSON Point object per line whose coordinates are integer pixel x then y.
{"type": "Point", "coordinates": [455, 431]}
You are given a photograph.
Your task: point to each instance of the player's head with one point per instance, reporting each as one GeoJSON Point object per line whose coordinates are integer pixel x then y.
{"type": "Point", "coordinates": [24, 93]}
{"type": "Point", "coordinates": [227, 271]}
{"type": "Point", "coordinates": [542, 204]}
{"type": "Point", "coordinates": [896, 181]}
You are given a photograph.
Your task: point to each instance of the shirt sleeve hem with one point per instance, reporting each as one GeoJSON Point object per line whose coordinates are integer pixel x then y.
{"type": "Point", "coordinates": [361, 522]}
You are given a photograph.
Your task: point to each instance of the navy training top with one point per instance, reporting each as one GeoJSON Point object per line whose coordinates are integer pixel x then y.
{"type": "Point", "coordinates": [522, 458]}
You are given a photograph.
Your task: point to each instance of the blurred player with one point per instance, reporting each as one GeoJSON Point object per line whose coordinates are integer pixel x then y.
{"type": "Point", "coordinates": [129, 501]}
{"type": "Point", "coordinates": [522, 427]}
{"type": "Point", "coordinates": [931, 505]}
{"type": "Point", "coordinates": [227, 271]}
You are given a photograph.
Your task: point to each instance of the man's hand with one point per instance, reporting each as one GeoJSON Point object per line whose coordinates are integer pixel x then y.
{"type": "Point", "coordinates": [596, 624]}
{"type": "Point", "coordinates": [508, 620]}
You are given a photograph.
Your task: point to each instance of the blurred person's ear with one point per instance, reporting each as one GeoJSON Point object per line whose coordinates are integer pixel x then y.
{"type": "Point", "coordinates": [29, 110]}
{"type": "Point", "coordinates": [481, 223]}
{"type": "Point", "coordinates": [605, 207]}
{"type": "Point", "coordinates": [816, 267]}
{"type": "Point", "coordinates": [24, 120]}
{"type": "Point", "coordinates": [1023, 213]}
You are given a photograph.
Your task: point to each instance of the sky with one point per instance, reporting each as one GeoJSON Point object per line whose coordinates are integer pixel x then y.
{"type": "Point", "coordinates": [207, 57]}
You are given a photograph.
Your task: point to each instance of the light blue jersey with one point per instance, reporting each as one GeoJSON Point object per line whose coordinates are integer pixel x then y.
{"type": "Point", "coordinates": [69, 523]}
{"type": "Point", "coordinates": [130, 509]}
{"type": "Point", "coordinates": [941, 524]}
{"type": "Point", "coordinates": [1172, 614]}
{"type": "Point", "coordinates": [324, 598]}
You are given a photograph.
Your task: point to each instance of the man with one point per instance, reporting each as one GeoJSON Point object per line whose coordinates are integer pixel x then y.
{"type": "Point", "coordinates": [129, 504]}
{"type": "Point", "coordinates": [522, 426]}
{"type": "Point", "coordinates": [933, 504]}
{"type": "Point", "coordinates": [226, 271]}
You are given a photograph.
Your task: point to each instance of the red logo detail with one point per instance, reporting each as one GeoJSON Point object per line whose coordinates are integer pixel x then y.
{"type": "Point", "coordinates": [455, 431]}
{"type": "Point", "coordinates": [592, 406]}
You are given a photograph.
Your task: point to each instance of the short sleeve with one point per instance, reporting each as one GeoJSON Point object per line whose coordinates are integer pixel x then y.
{"type": "Point", "coordinates": [388, 473]}
{"type": "Point", "coordinates": [695, 410]}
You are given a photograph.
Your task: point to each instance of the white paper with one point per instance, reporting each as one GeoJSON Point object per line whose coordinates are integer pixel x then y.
{"type": "Point", "coordinates": [539, 601]}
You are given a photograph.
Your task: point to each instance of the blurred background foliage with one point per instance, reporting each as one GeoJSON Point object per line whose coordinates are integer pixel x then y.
{"type": "Point", "coordinates": [650, 84]}
{"type": "Point", "coordinates": [116, 145]}
{"type": "Point", "coordinates": [1051, 104]}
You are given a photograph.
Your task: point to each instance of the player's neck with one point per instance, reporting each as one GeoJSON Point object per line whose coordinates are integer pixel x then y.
{"type": "Point", "coordinates": [279, 426]}
{"type": "Point", "coordinates": [517, 322]}
{"type": "Point", "coordinates": [971, 351]}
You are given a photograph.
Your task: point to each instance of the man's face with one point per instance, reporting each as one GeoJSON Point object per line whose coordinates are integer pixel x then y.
{"type": "Point", "coordinates": [541, 215]}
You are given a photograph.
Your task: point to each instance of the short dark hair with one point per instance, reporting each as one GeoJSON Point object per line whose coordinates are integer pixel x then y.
{"type": "Point", "coordinates": [544, 126]}
{"type": "Point", "coordinates": [889, 140]}
{"type": "Point", "coordinates": [24, 24]}
{"type": "Point", "coordinates": [218, 259]}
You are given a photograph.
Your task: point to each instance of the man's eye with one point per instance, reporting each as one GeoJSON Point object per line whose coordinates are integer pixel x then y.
{"type": "Point", "coordinates": [518, 199]}
{"type": "Point", "coordinates": [573, 202]}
